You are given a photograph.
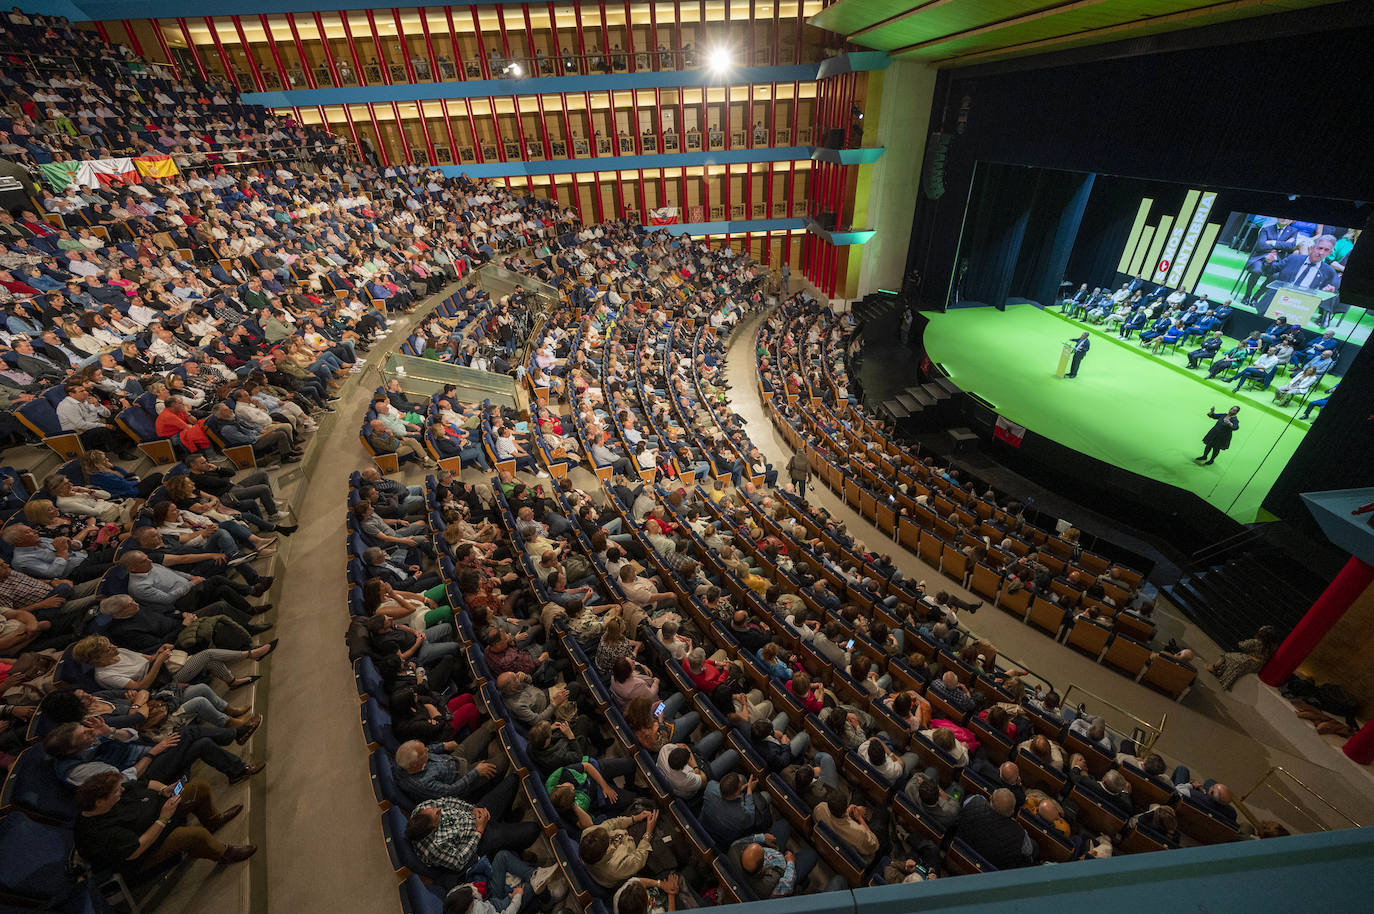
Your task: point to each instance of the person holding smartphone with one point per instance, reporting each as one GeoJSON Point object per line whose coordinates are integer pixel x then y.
{"type": "Point", "coordinates": [128, 827]}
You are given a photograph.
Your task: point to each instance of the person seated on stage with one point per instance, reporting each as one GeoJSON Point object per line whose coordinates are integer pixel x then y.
{"type": "Point", "coordinates": [1118, 315]}
{"type": "Point", "coordinates": [1135, 321]}
{"type": "Point", "coordinates": [1120, 295]}
{"type": "Point", "coordinates": [1297, 386]}
{"type": "Point", "coordinates": [1208, 349]}
{"type": "Point", "coordinates": [1305, 353]}
{"type": "Point", "coordinates": [1176, 299]}
{"type": "Point", "coordinates": [1232, 358]}
{"type": "Point", "coordinates": [1077, 307]}
{"type": "Point", "coordinates": [1079, 297]}
{"type": "Point", "coordinates": [1099, 311]}
{"type": "Point", "coordinates": [1157, 329]}
{"type": "Point", "coordinates": [1317, 404]}
{"type": "Point", "coordinates": [1205, 325]}
{"type": "Point", "coordinates": [1169, 337]}
{"type": "Point", "coordinates": [1262, 370]}
{"type": "Point", "coordinates": [1277, 330]}
{"type": "Point", "coordinates": [1253, 343]}
{"type": "Point", "coordinates": [1322, 363]}
{"type": "Point", "coordinates": [1221, 312]}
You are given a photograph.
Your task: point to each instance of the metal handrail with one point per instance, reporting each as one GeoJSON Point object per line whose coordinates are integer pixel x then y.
{"type": "Point", "coordinates": [1152, 731]}
{"type": "Point", "coordinates": [1279, 769]}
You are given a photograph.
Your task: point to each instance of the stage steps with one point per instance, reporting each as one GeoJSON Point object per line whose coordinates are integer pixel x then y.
{"type": "Point", "coordinates": [1230, 599]}
{"type": "Point", "coordinates": [875, 304]}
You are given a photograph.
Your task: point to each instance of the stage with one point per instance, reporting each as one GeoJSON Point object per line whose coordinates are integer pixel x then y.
{"type": "Point", "coordinates": [1146, 414]}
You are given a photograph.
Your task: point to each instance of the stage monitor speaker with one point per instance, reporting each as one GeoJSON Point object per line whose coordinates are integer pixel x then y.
{"type": "Point", "coordinates": [1357, 282]}
{"type": "Point", "coordinates": [834, 138]}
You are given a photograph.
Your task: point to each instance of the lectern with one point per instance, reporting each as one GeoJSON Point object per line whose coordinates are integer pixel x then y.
{"type": "Point", "coordinates": [1064, 358]}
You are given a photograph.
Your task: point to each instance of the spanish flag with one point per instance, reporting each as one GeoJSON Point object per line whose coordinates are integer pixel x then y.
{"type": "Point", "coordinates": [156, 166]}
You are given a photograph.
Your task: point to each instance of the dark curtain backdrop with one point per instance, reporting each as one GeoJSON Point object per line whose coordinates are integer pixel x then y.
{"type": "Point", "coordinates": [1054, 224]}
{"type": "Point", "coordinates": [1019, 231]}
{"type": "Point", "coordinates": [997, 215]}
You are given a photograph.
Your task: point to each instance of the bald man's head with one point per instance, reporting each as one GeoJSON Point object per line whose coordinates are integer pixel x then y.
{"type": "Point", "coordinates": [1010, 773]}
{"type": "Point", "coordinates": [752, 858]}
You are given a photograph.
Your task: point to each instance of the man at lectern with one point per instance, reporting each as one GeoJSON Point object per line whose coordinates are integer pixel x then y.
{"type": "Point", "coordinates": [1080, 349]}
{"type": "Point", "coordinates": [1307, 271]}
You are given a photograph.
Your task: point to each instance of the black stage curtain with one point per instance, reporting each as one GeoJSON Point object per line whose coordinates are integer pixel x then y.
{"type": "Point", "coordinates": [997, 214]}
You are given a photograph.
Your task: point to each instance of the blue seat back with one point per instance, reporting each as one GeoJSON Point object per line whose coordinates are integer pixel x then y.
{"type": "Point", "coordinates": [40, 414]}
{"type": "Point", "coordinates": [40, 871]}
{"type": "Point", "coordinates": [32, 784]}
{"type": "Point", "coordinates": [399, 849]}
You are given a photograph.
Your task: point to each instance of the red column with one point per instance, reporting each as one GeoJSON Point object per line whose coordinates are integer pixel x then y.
{"type": "Point", "coordinates": [377, 134]}
{"type": "Point", "coordinates": [401, 131]}
{"type": "Point", "coordinates": [104, 35]}
{"type": "Point", "coordinates": [324, 49]}
{"type": "Point", "coordinates": [587, 114]}
{"type": "Point", "coordinates": [300, 51]}
{"type": "Point", "coordinates": [544, 127]}
{"type": "Point", "coordinates": [383, 66]}
{"type": "Point", "coordinates": [458, 67]}
{"type": "Point", "coordinates": [653, 47]}
{"type": "Point", "coordinates": [1360, 747]}
{"type": "Point", "coordinates": [223, 55]}
{"type": "Point", "coordinates": [557, 52]}
{"type": "Point", "coordinates": [405, 45]}
{"type": "Point", "coordinates": [520, 128]}
{"type": "Point", "coordinates": [352, 128]}
{"type": "Point", "coordinates": [1345, 587]}
{"type": "Point", "coordinates": [162, 43]}
{"type": "Point", "coordinates": [248, 53]}
{"type": "Point", "coordinates": [630, 39]}
{"type": "Point", "coordinates": [133, 39]}
{"type": "Point", "coordinates": [358, 72]}
{"type": "Point", "coordinates": [448, 130]}
{"type": "Point", "coordinates": [472, 128]}
{"type": "Point", "coordinates": [434, 74]}
{"type": "Point", "coordinates": [276, 57]}
{"type": "Point", "coordinates": [190, 46]}
{"type": "Point", "coordinates": [481, 45]}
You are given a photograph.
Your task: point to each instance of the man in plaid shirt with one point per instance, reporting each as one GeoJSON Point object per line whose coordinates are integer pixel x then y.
{"type": "Point", "coordinates": [449, 834]}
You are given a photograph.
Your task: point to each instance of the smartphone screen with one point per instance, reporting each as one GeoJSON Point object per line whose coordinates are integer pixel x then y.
{"type": "Point", "coordinates": [850, 645]}
{"type": "Point", "coordinates": [658, 711]}
{"type": "Point", "coordinates": [177, 788]}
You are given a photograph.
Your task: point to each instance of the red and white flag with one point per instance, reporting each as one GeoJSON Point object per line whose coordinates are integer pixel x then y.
{"type": "Point", "coordinates": [664, 215]}
{"type": "Point", "coordinates": [115, 171]}
{"type": "Point", "coordinates": [1008, 431]}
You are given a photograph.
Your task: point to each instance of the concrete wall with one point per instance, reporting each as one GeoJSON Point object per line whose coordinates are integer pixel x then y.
{"type": "Point", "coordinates": [903, 117]}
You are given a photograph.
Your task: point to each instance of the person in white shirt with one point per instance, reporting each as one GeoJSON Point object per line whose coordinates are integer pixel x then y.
{"type": "Point", "coordinates": [78, 413]}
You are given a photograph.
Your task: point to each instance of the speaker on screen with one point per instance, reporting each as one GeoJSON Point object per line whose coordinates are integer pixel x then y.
{"type": "Point", "coordinates": [1357, 282]}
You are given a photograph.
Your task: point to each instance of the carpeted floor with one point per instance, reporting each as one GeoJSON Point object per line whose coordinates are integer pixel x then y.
{"type": "Point", "coordinates": [1125, 407]}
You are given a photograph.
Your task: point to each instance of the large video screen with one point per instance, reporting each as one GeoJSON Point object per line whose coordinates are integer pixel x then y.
{"type": "Point", "coordinates": [1277, 266]}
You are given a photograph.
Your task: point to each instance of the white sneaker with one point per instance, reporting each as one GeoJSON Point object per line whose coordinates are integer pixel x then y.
{"type": "Point", "coordinates": [541, 878]}
{"type": "Point", "coordinates": [541, 474]}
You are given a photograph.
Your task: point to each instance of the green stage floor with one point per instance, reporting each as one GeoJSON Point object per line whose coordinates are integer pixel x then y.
{"type": "Point", "coordinates": [1219, 278]}
{"type": "Point", "coordinates": [1140, 412]}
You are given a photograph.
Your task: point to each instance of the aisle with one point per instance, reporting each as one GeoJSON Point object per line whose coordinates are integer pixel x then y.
{"type": "Point", "coordinates": [1212, 731]}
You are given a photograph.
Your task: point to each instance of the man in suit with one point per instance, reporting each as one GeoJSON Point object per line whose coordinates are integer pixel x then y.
{"type": "Point", "coordinates": [1080, 349]}
{"type": "Point", "coordinates": [1209, 348]}
{"type": "Point", "coordinates": [1306, 271]}
{"type": "Point", "coordinates": [1280, 238]}
{"type": "Point", "coordinates": [1078, 298]}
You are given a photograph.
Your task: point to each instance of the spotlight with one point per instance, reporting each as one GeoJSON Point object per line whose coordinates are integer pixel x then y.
{"type": "Point", "coordinates": [720, 59]}
{"type": "Point", "coordinates": [856, 113]}
{"type": "Point", "coordinates": [514, 71]}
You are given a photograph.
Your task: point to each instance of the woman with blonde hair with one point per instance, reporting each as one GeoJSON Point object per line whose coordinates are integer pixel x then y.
{"type": "Point", "coordinates": [613, 646]}
{"type": "Point", "coordinates": [117, 668]}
